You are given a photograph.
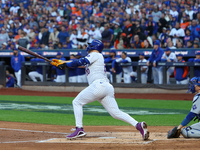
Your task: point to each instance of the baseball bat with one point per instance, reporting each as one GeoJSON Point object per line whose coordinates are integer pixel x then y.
{"type": "Point", "coordinates": [35, 54]}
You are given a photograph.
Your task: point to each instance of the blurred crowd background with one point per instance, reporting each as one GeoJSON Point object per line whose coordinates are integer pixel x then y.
{"type": "Point", "coordinates": [120, 24]}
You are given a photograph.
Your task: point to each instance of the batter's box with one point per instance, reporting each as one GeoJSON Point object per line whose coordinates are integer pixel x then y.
{"type": "Point", "coordinates": [105, 137]}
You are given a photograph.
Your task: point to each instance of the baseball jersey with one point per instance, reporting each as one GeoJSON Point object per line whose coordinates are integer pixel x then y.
{"type": "Point", "coordinates": [126, 69]}
{"type": "Point", "coordinates": [16, 62]}
{"type": "Point", "coordinates": [178, 32]}
{"type": "Point", "coordinates": [96, 34]}
{"type": "Point", "coordinates": [96, 69]}
{"type": "Point", "coordinates": [196, 104]}
{"type": "Point", "coordinates": [171, 56]}
{"type": "Point", "coordinates": [144, 60]}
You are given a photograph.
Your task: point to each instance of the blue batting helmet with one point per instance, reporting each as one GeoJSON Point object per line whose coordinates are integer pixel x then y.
{"type": "Point", "coordinates": [95, 45]}
{"type": "Point", "coordinates": [191, 86]}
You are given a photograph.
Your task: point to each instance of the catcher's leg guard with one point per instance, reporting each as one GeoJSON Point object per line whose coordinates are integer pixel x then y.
{"type": "Point", "coordinates": [192, 131]}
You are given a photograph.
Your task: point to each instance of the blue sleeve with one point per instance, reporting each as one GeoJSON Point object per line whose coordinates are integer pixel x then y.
{"type": "Point", "coordinates": [78, 62]}
{"type": "Point", "coordinates": [107, 60]}
{"type": "Point", "coordinates": [113, 63]}
{"type": "Point", "coordinates": [188, 118]}
{"type": "Point", "coordinates": [151, 58]}
{"type": "Point", "coordinates": [191, 60]}
{"type": "Point", "coordinates": [196, 60]}
{"type": "Point", "coordinates": [22, 58]}
{"type": "Point", "coordinates": [164, 60]}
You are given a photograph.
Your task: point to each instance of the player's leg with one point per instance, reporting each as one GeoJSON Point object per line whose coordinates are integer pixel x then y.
{"type": "Point", "coordinates": [40, 76]}
{"type": "Point", "coordinates": [192, 131]}
{"type": "Point", "coordinates": [63, 78]}
{"type": "Point", "coordinates": [18, 77]}
{"type": "Point", "coordinates": [93, 92]}
{"type": "Point", "coordinates": [184, 81]}
{"type": "Point", "coordinates": [127, 78]}
{"type": "Point", "coordinates": [119, 77]}
{"type": "Point", "coordinates": [33, 75]}
{"type": "Point", "coordinates": [144, 78]}
{"type": "Point", "coordinates": [155, 75]}
{"type": "Point", "coordinates": [170, 71]}
{"type": "Point", "coordinates": [160, 75]}
{"type": "Point", "coordinates": [110, 104]}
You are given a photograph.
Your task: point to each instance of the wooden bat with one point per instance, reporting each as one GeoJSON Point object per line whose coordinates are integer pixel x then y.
{"type": "Point", "coordinates": [35, 54]}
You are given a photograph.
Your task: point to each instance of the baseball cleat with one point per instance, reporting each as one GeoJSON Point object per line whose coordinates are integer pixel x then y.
{"type": "Point", "coordinates": [142, 127]}
{"type": "Point", "coordinates": [79, 132]}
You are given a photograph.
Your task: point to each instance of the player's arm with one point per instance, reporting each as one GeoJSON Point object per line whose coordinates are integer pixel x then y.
{"type": "Point", "coordinates": [78, 62]}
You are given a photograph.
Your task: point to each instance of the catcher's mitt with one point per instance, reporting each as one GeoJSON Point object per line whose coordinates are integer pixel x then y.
{"type": "Point", "coordinates": [58, 63]}
{"type": "Point", "coordinates": [174, 133]}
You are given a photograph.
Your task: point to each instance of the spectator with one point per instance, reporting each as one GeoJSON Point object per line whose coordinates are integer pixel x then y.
{"type": "Point", "coordinates": [23, 41]}
{"type": "Point", "coordinates": [143, 69]}
{"type": "Point", "coordinates": [195, 29]}
{"type": "Point", "coordinates": [107, 35]}
{"type": "Point", "coordinates": [16, 62]}
{"type": "Point", "coordinates": [45, 36]}
{"type": "Point", "coordinates": [177, 33]}
{"type": "Point", "coordinates": [189, 12]}
{"type": "Point", "coordinates": [155, 57]}
{"type": "Point", "coordinates": [162, 23]}
{"type": "Point", "coordinates": [138, 31]}
{"type": "Point", "coordinates": [137, 43]}
{"type": "Point", "coordinates": [3, 36]}
{"type": "Point", "coordinates": [82, 38]}
{"type": "Point", "coordinates": [4, 46]}
{"type": "Point", "coordinates": [94, 33]}
{"type": "Point", "coordinates": [38, 72]}
{"type": "Point", "coordinates": [180, 72]}
{"type": "Point", "coordinates": [156, 14]}
{"type": "Point", "coordinates": [126, 69]}
{"type": "Point", "coordinates": [121, 41]}
{"type": "Point", "coordinates": [63, 35]}
{"type": "Point", "coordinates": [188, 36]}
{"type": "Point", "coordinates": [73, 39]}
{"type": "Point", "coordinates": [54, 35]}
{"type": "Point", "coordinates": [117, 30]}
{"type": "Point", "coordinates": [129, 31]}
{"type": "Point", "coordinates": [169, 56]}
{"type": "Point", "coordinates": [151, 26]}
{"type": "Point", "coordinates": [196, 68]}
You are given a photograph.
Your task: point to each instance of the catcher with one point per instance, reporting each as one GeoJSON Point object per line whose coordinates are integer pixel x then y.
{"type": "Point", "coordinates": [192, 131]}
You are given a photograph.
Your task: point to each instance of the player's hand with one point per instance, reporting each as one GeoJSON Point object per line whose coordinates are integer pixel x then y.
{"type": "Point", "coordinates": [154, 64]}
{"type": "Point", "coordinates": [58, 63]}
{"type": "Point", "coordinates": [113, 70]}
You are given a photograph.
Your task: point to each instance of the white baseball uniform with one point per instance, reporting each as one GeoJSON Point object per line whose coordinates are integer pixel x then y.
{"type": "Point", "coordinates": [172, 58]}
{"type": "Point", "coordinates": [99, 89]}
{"type": "Point", "coordinates": [126, 69]}
{"type": "Point", "coordinates": [193, 131]}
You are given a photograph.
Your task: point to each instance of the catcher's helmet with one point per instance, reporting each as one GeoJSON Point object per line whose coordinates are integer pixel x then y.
{"type": "Point", "coordinates": [95, 45]}
{"type": "Point", "coordinates": [191, 86]}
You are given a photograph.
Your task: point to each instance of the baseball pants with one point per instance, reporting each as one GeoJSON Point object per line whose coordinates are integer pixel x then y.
{"type": "Point", "coordinates": [73, 79]}
{"type": "Point", "coordinates": [182, 82]}
{"type": "Point", "coordinates": [34, 74]}
{"type": "Point", "coordinates": [127, 77]}
{"type": "Point", "coordinates": [192, 131]}
{"type": "Point", "coordinates": [157, 75]}
{"type": "Point", "coordinates": [170, 71]}
{"type": "Point", "coordinates": [143, 76]}
{"type": "Point", "coordinates": [118, 77]}
{"type": "Point", "coordinates": [102, 91]}
{"type": "Point", "coordinates": [60, 78]}
{"type": "Point", "coordinates": [18, 77]}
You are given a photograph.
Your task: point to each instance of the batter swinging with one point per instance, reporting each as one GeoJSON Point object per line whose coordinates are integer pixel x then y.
{"type": "Point", "coordinates": [99, 89]}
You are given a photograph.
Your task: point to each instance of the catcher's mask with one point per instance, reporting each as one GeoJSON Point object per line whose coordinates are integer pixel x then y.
{"type": "Point", "coordinates": [191, 86]}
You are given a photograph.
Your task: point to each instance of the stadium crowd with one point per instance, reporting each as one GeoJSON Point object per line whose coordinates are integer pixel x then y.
{"type": "Point", "coordinates": [71, 24]}
{"type": "Point", "coordinates": [121, 24]}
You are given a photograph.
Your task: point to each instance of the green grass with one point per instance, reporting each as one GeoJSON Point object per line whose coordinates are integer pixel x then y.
{"type": "Point", "coordinates": [66, 117]}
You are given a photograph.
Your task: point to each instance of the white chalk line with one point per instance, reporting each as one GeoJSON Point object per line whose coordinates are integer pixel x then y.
{"type": "Point", "coordinates": [9, 142]}
{"type": "Point", "coordinates": [32, 131]}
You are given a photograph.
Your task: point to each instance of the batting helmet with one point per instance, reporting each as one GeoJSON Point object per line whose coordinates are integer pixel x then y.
{"type": "Point", "coordinates": [95, 45]}
{"type": "Point", "coordinates": [191, 86]}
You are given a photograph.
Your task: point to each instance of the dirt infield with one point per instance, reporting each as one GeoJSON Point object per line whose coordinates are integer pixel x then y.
{"type": "Point", "coordinates": [26, 136]}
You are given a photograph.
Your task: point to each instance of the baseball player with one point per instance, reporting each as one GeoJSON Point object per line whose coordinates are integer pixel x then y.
{"type": "Point", "coordinates": [38, 73]}
{"type": "Point", "coordinates": [169, 56]}
{"type": "Point", "coordinates": [181, 72]}
{"type": "Point", "coordinates": [99, 89]}
{"type": "Point", "coordinates": [154, 59]}
{"type": "Point", "coordinates": [197, 60]}
{"type": "Point", "coordinates": [192, 131]}
{"type": "Point", "coordinates": [61, 77]}
{"type": "Point", "coordinates": [117, 68]}
{"type": "Point", "coordinates": [80, 71]}
{"type": "Point", "coordinates": [16, 63]}
{"type": "Point", "coordinates": [144, 69]}
{"type": "Point", "coordinates": [126, 69]}
{"type": "Point", "coordinates": [72, 71]}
